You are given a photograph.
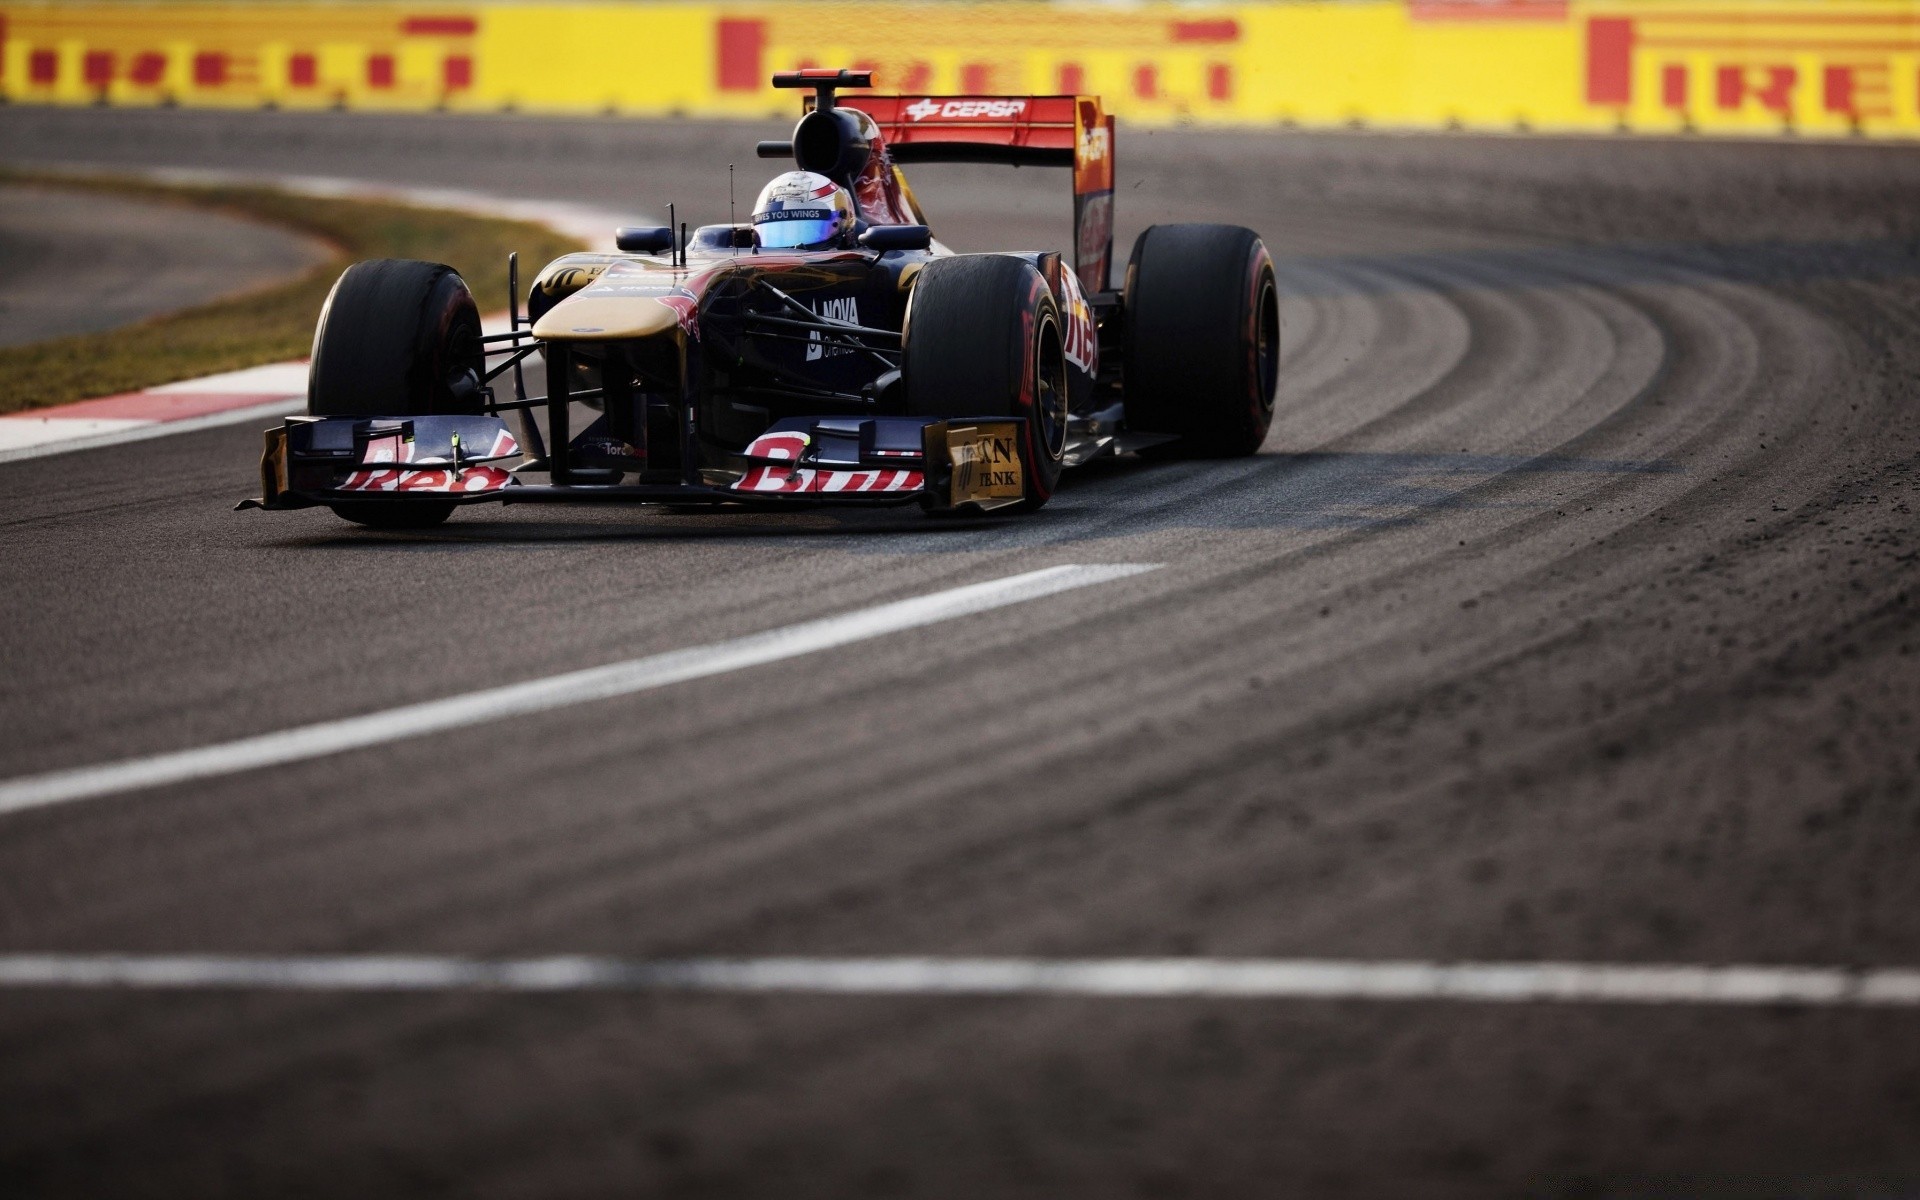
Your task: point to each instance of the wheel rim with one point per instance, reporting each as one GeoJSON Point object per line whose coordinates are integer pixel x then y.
{"type": "Point", "coordinates": [461, 354]}
{"type": "Point", "coordinates": [1267, 343]}
{"type": "Point", "coordinates": [1050, 398]}
{"type": "Point", "coordinates": [464, 351]}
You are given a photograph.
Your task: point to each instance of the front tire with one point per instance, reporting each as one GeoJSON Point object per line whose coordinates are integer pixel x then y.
{"type": "Point", "coordinates": [397, 338]}
{"type": "Point", "coordinates": [982, 339]}
{"type": "Point", "coordinates": [1203, 338]}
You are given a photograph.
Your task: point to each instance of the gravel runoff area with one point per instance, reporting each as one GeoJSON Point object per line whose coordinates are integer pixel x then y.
{"type": "Point", "coordinates": [1570, 615]}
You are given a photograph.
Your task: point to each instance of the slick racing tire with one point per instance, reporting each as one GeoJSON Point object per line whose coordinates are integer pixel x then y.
{"type": "Point", "coordinates": [396, 339]}
{"type": "Point", "coordinates": [983, 339]}
{"type": "Point", "coordinates": [1203, 338]}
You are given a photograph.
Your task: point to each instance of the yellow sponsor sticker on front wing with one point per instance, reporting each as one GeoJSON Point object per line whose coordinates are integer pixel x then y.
{"type": "Point", "coordinates": [986, 462]}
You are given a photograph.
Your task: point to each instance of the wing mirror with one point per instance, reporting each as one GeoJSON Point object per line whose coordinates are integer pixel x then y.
{"type": "Point", "coordinates": [897, 237]}
{"type": "Point", "coordinates": [643, 239]}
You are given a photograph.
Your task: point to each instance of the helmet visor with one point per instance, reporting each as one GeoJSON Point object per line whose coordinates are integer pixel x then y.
{"type": "Point", "coordinates": [793, 227]}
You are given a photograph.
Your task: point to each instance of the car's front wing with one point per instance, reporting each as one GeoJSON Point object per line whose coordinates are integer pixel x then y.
{"type": "Point", "coordinates": [951, 465]}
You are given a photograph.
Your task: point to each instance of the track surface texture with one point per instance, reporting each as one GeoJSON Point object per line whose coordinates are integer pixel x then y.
{"type": "Point", "coordinates": [81, 262]}
{"type": "Point", "coordinates": [1569, 614]}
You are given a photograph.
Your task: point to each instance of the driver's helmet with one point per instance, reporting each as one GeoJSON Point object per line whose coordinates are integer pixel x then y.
{"type": "Point", "coordinates": [802, 210]}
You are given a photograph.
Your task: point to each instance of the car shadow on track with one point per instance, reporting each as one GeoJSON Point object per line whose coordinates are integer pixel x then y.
{"type": "Point", "coordinates": [1325, 491]}
{"type": "Point", "coordinates": [1109, 498]}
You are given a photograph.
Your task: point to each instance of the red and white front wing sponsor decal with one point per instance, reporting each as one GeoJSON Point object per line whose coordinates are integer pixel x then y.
{"type": "Point", "coordinates": [802, 479]}
{"type": "Point", "coordinates": [433, 479]}
{"type": "Point", "coordinates": [388, 449]}
{"type": "Point", "coordinates": [784, 476]}
{"type": "Point", "coordinates": [787, 447]}
{"type": "Point", "coordinates": [392, 449]}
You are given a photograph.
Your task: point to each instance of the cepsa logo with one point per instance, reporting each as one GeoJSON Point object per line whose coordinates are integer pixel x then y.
{"type": "Point", "coordinates": [1093, 144]}
{"type": "Point", "coordinates": [965, 110]}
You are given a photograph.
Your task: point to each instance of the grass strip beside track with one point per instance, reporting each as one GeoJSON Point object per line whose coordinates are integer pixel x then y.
{"type": "Point", "coordinates": [270, 324]}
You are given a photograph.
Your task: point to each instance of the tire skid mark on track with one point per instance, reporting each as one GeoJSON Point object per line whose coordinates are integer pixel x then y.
{"type": "Point", "coordinates": [1388, 342]}
{"type": "Point", "coordinates": [1494, 374]}
{"type": "Point", "coordinates": [1149, 697]}
{"type": "Point", "coordinates": [1563, 690]}
{"type": "Point", "coordinates": [1256, 571]}
{"type": "Point", "coordinates": [1529, 306]}
{"type": "Point", "coordinates": [1609, 810]}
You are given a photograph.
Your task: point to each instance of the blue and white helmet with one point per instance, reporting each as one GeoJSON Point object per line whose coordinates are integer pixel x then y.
{"type": "Point", "coordinates": [802, 210]}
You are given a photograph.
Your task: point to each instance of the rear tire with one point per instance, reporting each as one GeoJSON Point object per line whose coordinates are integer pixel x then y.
{"type": "Point", "coordinates": [1203, 338]}
{"type": "Point", "coordinates": [397, 338]}
{"type": "Point", "coordinates": [982, 339]}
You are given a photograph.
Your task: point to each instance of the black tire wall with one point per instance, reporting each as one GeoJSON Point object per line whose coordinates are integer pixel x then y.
{"type": "Point", "coordinates": [982, 335]}
{"type": "Point", "coordinates": [1203, 338]}
{"type": "Point", "coordinates": [392, 338]}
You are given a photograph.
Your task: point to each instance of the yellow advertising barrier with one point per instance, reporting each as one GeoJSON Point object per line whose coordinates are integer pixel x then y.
{"type": "Point", "coordinates": [1834, 68]}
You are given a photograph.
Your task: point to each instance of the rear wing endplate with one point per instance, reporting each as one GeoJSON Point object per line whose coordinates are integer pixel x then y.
{"type": "Point", "coordinates": [1038, 131]}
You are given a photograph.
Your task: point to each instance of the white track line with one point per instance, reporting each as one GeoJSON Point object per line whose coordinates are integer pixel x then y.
{"type": "Point", "coordinates": [586, 223]}
{"type": "Point", "coordinates": [1138, 978]}
{"type": "Point", "coordinates": [38, 439]}
{"type": "Point", "coordinates": [537, 695]}
{"type": "Point", "coordinates": [153, 429]}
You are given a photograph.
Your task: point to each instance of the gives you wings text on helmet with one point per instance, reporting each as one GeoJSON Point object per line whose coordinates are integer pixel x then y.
{"type": "Point", "coordinates": [802, 210]}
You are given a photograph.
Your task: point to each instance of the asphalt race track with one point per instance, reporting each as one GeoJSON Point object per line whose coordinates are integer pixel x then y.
{"type": "Point", "coordinates": [80, 262]}
{"type": "Point", "coordinates": [1569, 615]}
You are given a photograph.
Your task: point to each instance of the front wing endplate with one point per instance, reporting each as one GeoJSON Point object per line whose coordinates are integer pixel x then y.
{"type": "Point", "coordinates": [982, 462]}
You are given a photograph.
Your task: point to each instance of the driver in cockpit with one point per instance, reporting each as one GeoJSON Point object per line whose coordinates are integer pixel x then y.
{"type": "Point", "coordinates": [801, 210]}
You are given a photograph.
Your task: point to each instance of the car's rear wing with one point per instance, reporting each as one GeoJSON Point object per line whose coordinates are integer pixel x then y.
{"type": "Point", "coordinates": [1036, 131]}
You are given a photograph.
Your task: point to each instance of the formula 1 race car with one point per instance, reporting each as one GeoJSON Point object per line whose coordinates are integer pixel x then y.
{"type": "Point", "coordinates": [829, 352]}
